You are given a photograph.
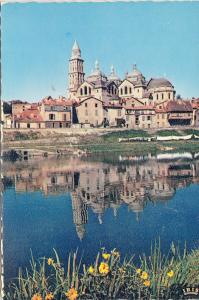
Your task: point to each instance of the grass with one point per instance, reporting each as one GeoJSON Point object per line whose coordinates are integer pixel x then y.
{"type": "Point", "coordinates": [157, 276]}
{"type": "Point", "coordinates": [114, 136]}
{"type": "Point", "coordinates": [168, 133]}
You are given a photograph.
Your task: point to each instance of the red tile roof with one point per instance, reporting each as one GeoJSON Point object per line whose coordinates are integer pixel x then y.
{"type": "Point", "coordinates": [142, 107]}
{"type": "Point", "coordinates": [29, 115]}
{"type": "Point", "coordinates": [179, 106]}
{"type": "Point", "coordinates": [62, 101]}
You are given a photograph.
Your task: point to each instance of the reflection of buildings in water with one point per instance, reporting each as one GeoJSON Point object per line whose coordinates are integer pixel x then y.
{"type": "Point", "coordinates": [101, 186]}
{"type": "Point", "coordinates": [80, 214]}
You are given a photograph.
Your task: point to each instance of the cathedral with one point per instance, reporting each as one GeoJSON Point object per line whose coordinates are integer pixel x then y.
{"type": "Point", "coordinates": [108, 88]}
{"type": "Point", "coordinates": [133, 102]}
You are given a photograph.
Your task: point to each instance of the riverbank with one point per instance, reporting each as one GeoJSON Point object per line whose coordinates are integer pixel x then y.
{"type": "Point", "coordinates": [85, 141]}
{"type": "Point", "coordinates": [157, 276]}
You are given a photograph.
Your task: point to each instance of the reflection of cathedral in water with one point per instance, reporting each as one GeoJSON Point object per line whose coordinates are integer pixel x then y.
{"type": "Point", "coordinates": [133, 182]}
{"type": "Point", "coordinates": [80, 214]}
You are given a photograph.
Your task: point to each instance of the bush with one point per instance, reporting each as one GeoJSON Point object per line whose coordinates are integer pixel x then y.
{"type": "Point", "coordinates": [157, 276]}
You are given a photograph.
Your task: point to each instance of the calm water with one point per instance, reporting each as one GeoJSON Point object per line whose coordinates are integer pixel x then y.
{"type": "Point", "coordinates": [124, 203]}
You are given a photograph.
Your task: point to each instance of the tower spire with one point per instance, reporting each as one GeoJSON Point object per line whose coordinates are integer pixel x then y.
{"type": "Point", "coordinates": [76, 70]}
{"type": "Point", "coordinates": [76, 52]}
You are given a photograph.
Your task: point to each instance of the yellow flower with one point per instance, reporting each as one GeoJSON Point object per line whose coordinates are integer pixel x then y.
{"type": "Point", "coordinates": [49, 296]}
{"type": "Point", "coordinates": [147, 282]}
{"type": "Point", "coordinates": [36, 297]}
{"type": "Point", "coordinates": [103, 268]}
{"type": "Point", "coordinates": [144, 275]}
{"type": "Point", "coordinates": [91, 270]}
{"type": "Point", "coordinates": [106, 256]}
{"type": "Point", "coordinates": [138, 271]}
{"type": "Point", "coordinates": [170, 273]}
{"type": "Point", "coordinates": [50, 261]}
{"type": "Point", "coordinates": [72, 294]}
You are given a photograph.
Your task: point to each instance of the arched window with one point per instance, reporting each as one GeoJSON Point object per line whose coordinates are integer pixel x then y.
{"type": "Point", "coordinates": [112, 90]}
{"type": "Point", "coordinates": [162, 96]}
{"type": "Point", "coordinates": [169, 95]}
{"type": "Point", "coordinates": [81, 91]}
{"type": "Point", "coordinates": [85, 90]}
{"type": "Point", "coordinates": [125, 90]}
{"type": "Point", "coordinates": [121, 91]}
{"type": "Point", "coordinates": [157, 96]}
{"type": "Point", "coordinates": [89, 90]}
{"type": "Point", "coordinates": [130, 90]}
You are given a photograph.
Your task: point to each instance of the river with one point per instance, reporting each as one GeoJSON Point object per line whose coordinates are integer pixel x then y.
{"type": "Point", "coordinates": [125, 202]}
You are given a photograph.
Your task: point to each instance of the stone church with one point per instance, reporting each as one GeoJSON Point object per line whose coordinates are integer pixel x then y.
{"type": "Point", "coordinates": [107, 88]}
{"type": "Point", "coordinates": [132, 101]}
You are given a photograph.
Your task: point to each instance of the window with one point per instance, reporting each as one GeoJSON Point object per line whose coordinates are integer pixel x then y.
{"type": "Point", "coordinates": [95, 104]}
{"type": "Point", "coordinates": [157, 96]}
{"type": "Point", "coordinates": [169, 95]}
{"type": "Point", "coordinates": [64, 117]}
{"type": "Point", "coordinates": [125, 90]}
{"type": "Point", "coordinates": [130, 90]}
{"type": "Point", "coordinates": [89, 90]}
{"type": "Point", "coordinates": [53, 180]}
{"type": "Point", "coordinates": [162, 96]}
{"type": "Point", "coordinates": [85, 90]}
{"type": "Point", "coordinates": [121, 91]}
{"type": "Point", "coordinates": [86, 105]}
{"type": "Point", "coordinates": [143, 118]}
{"type": "Point", "coordinates": [81, 91]}
{"type": "Point", "coordinates": [138, 90]}
{"type": "Point", "coordinates": [51, 116]}
{"type": "Point", "coordinates": [28, 125]}
{"type": "Point", "coordinates": [137, 120]}
{"type": "Point", "coordinates": [148, 118]}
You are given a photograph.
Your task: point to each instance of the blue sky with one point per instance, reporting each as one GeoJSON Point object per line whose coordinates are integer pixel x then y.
{"type": "Point", "coordinates": [162, 38]}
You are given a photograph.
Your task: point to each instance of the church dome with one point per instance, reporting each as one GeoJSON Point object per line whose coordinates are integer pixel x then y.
{"type": "Point", "coordinates": [159, 82]}
{"type": "Point", "coordinates": [96, 74]}
{"type": "Point", "coordinates": [135, 72]}
{"type": "Point", "coordinates": [135, 75]}
{"type": "Point", "coordinates": [113, 76]}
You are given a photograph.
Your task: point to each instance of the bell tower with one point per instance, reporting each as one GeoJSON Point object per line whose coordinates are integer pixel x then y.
{"type": "Point", "coordinates": [76, 70]}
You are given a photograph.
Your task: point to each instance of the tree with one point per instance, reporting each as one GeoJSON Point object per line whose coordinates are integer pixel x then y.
{"type": "Point", "coordinates": [7, 108]}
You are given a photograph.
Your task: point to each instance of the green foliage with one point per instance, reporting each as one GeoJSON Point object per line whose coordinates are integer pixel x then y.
{"type": "Point", "coordinates": [114, 136]}
{"type": "Point", "coordinates": [154, 277]}
{"type": "Point", "coordinates": [7, 108]}
{"type": "Point", "coordinates": [168, 133]}
{"type": "Point", "coordinates": [191, 131]}
{"type": "Point", "coordinates": [31, 135]}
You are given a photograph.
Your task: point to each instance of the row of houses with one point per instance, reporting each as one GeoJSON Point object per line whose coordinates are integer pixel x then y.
{"type": "Point", "coordinates": [93, 112]}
